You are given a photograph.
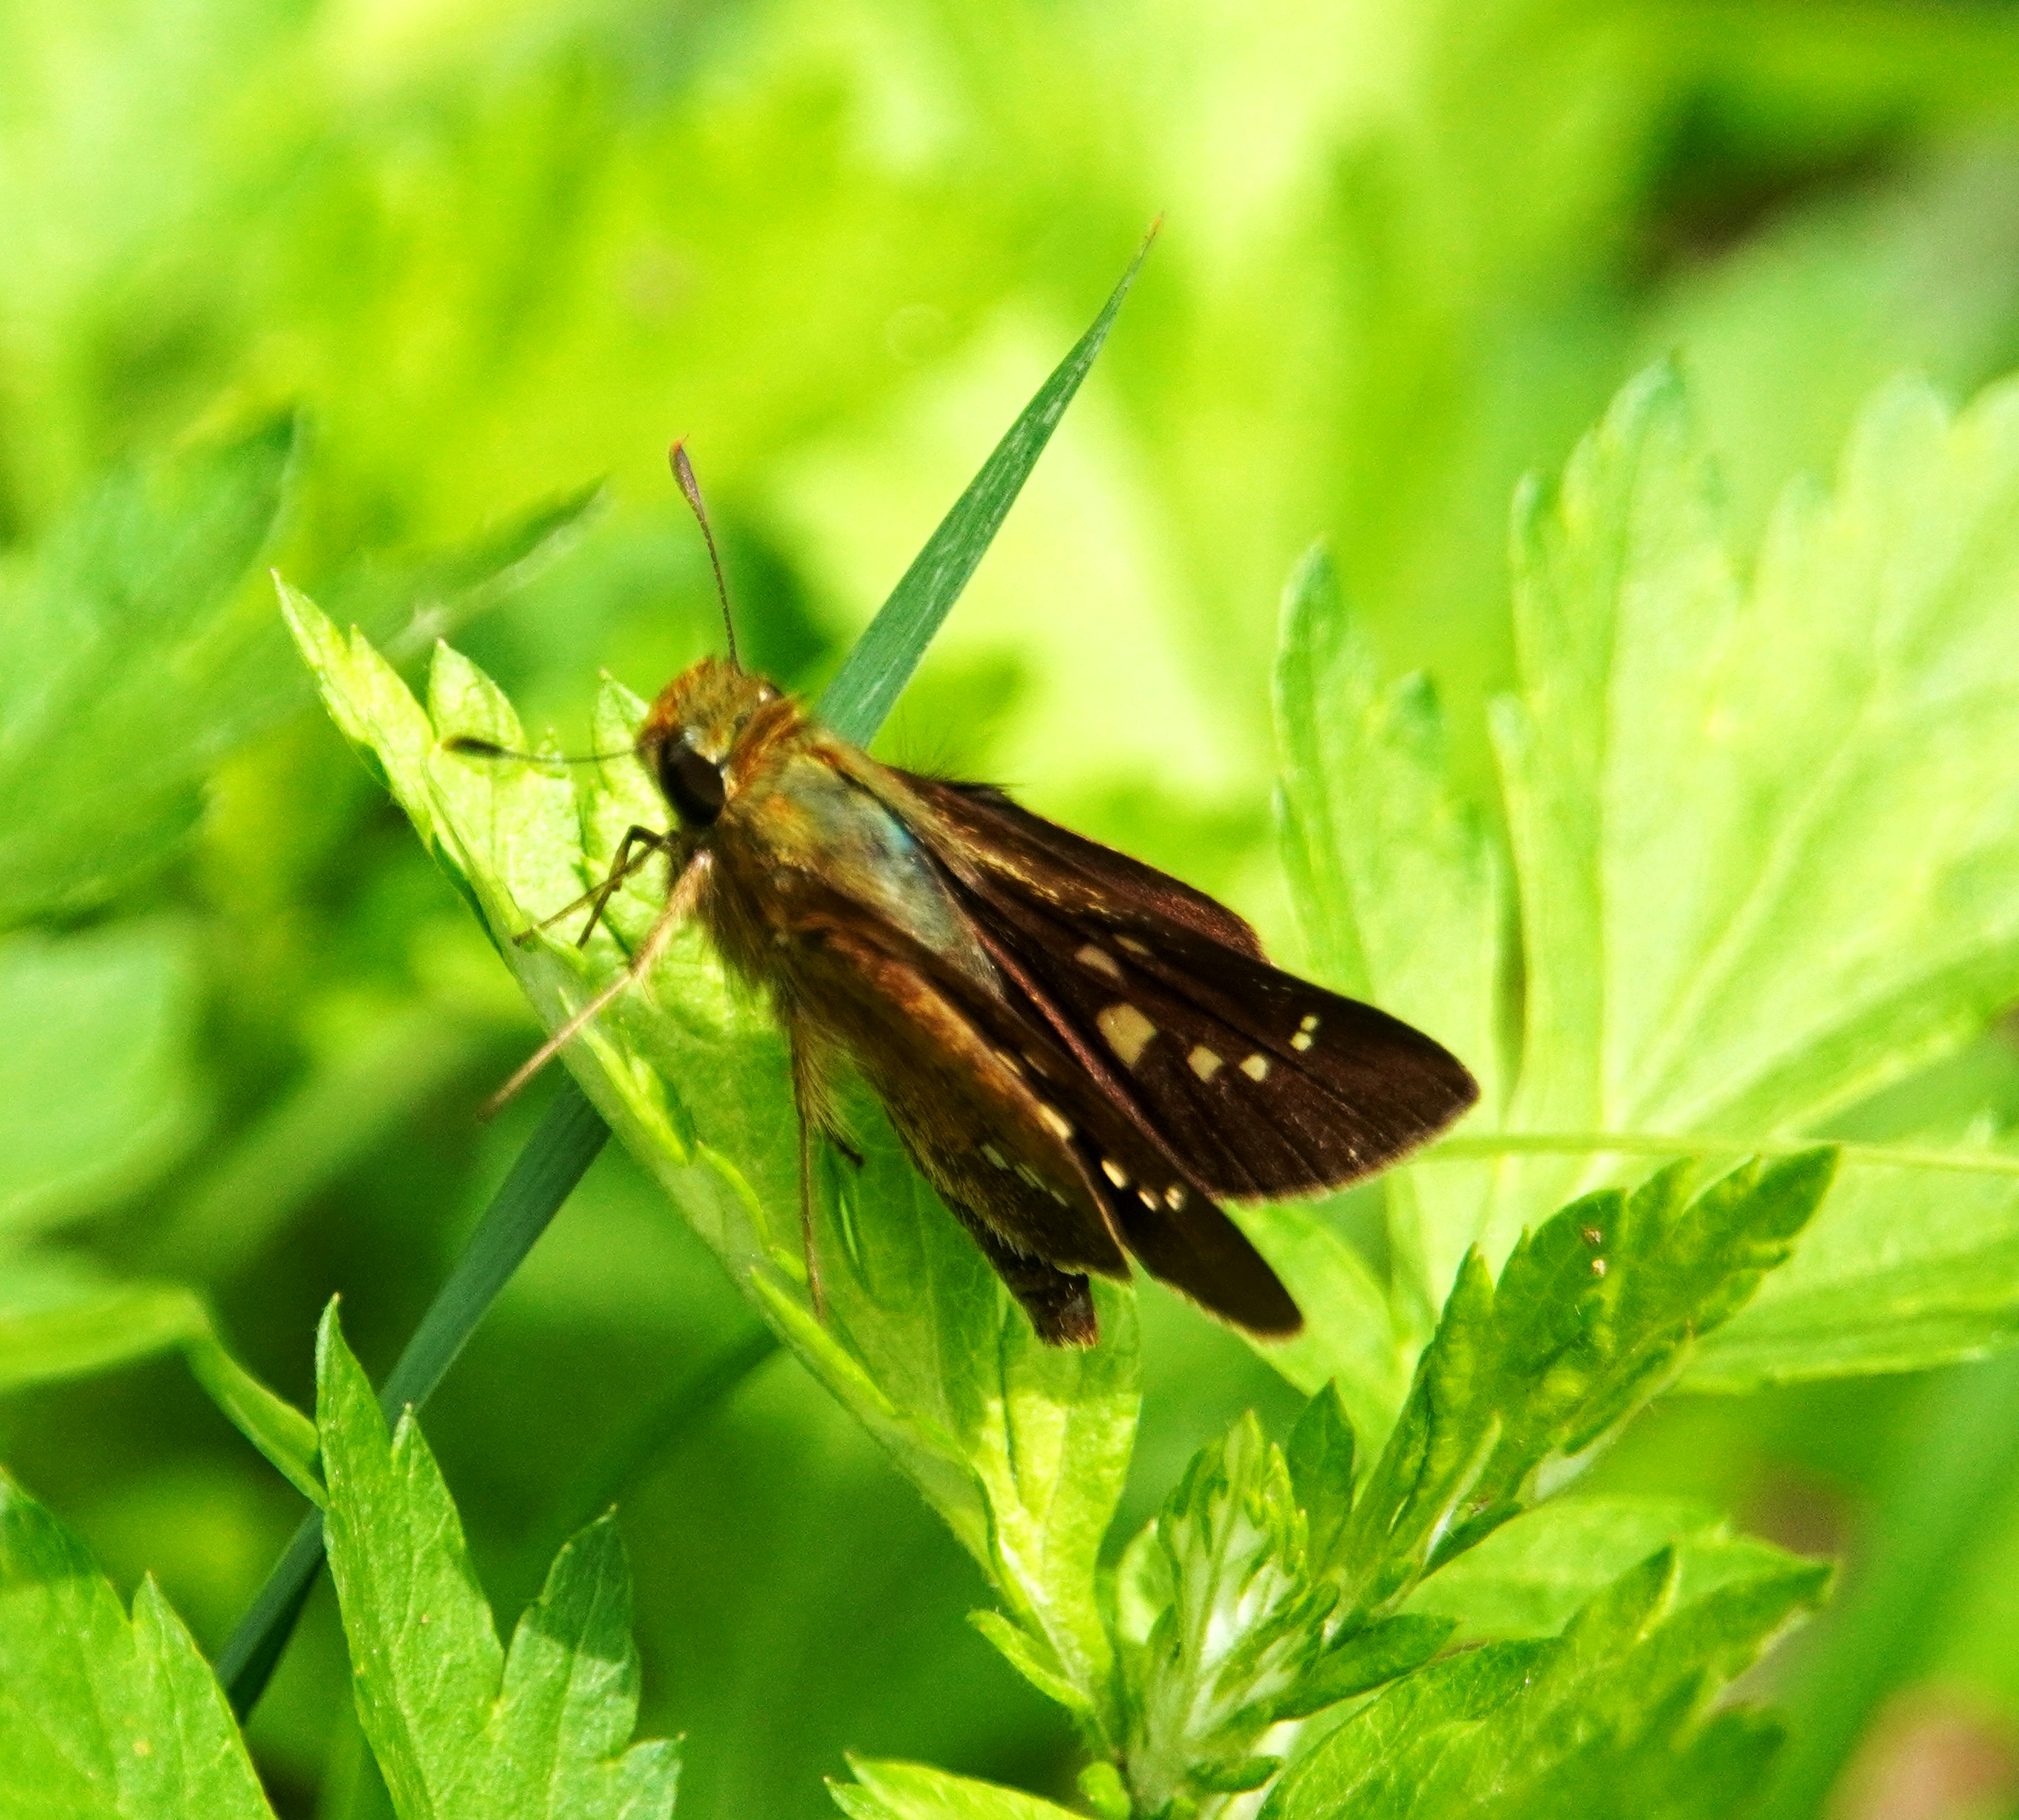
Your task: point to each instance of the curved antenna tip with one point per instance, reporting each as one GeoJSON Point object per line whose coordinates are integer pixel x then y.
{"type": "Point", "coordinates": [683, 474]}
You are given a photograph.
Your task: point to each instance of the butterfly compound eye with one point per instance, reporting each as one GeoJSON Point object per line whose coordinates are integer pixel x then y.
{"type": "Point", "coordinates": [693, 783]}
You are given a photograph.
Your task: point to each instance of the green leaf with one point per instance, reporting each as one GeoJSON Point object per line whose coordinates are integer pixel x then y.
{"type": "Point", "coordinates": [1590, 1318]}
{"type": "Point", "coordinates": [856, 703]}
{"type": "Point", "coordinates": [1320, 1458]}
{"type": "Point", "coordinates": [131, 666]}
{"type": "Point", "coordinates": [569, 1136]}
{"type": "Point", "coordinates": [1529, 1579]}
{"type": "Point", "coordinates": [461, 1729]}
{"type": "Point", "coordinates": [1218, 1619]}
{"type": "Point", "coordinates": [100, 1717]}
{"type": "Point", "coordinates": [58, 1322]}
{"type": "Point", "coordinates": [1022, 1448]}
{"type": "Point", "coordinates": [1402, 896]}
{"type": "Point", "coordinates": [1740, 915]}
{"type": "Point", "coordinates": [1368, 1658]}
{"type": "Point", "coordinates": [1612, 1719]}
{"type": "Point", "coordinates": [97, 1088]}
{"type": "Point", "coordinates": [910, 1791]}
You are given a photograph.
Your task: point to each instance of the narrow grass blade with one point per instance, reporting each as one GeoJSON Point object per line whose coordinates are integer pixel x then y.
{"type": "Point", "coordinates": [875, 672]}
{"type": "Point", "coordinates": [544, 1175]}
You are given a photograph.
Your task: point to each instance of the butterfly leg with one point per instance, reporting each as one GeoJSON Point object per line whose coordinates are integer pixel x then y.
{"type": "Point", "coordinates": [812, 1101]}
{"type": "Point", "coordinates": [621, 866]}
{"type": "Point", "coordinates": [680, 903]}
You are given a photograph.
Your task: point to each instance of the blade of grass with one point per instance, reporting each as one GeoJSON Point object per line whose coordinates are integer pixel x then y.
{"type": "Point", "coordinates": [544, 1176]}
{"type": "Point", "coordinates": [856, 703]}
{"type": "Point", "coordinates": [876, 670]}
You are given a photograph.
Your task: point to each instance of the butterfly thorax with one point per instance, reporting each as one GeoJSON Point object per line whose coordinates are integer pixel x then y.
{"type": "Point", "coordinates": [802, 831]}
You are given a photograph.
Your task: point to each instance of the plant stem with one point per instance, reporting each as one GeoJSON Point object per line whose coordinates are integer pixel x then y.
{"type": "Point", "coordinates": [542, 1177]}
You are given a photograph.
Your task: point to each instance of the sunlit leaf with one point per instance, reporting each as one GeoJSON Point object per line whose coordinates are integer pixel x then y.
{"type": "Point", "coordinates": [460, 1727]}
{"type": "Point", "coordinates": [103, 1718]}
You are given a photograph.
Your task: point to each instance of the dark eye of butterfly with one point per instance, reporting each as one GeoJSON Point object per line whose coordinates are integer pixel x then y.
{"type": "Point", "coordinates": [693, 783]}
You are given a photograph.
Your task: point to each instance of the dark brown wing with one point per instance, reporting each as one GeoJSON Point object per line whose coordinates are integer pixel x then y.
{"type": "Point", "coordinates": [987, 1138]}
{"type": "Point", "coordinates": [974, 1081]}
{"type": "Point", "coordinates": [1253, 1082]}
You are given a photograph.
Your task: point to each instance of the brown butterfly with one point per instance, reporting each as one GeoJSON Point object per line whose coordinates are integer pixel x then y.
{"type": "Point", "coordinates": [1081, 1055]}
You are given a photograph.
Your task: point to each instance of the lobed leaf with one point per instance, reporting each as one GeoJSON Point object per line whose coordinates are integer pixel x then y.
{"type": "Point", "coordinates": [1526, 1376]}
{"type": "Point", "coordinates": [1762, 850]}
{"type": "Point", "coordinates": [103, 1718]}
{"type": "Point", "coordinates": [1613, 1718]}
{"type": "Point", "coordinates": [1218, 1619]}
{"type": "Point", "coordinates": [461, 1729]}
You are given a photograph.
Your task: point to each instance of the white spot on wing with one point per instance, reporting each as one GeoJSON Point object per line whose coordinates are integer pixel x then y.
{"type": "Point", "coordinates": [1309, 1024]}
{"type": "Point", "coordinates": [1127, 1031]}
{"type": "Point", "coordinates": [1133, 946]}
{"type": "Point", "coordinates": [1057, 1121]}
{"type": "Point", "coordinates": [1205, 1064]}
{"type": "Point", "coordinates": [994, 1156]}
{"type": "Point", "coordinates": [1301, 1040]}
{"type": "Point", "coordinates": [1148, 1199]}
{"type": "Point", "coordinates": [1097, 959]}
{"type": "Point", "coordinates": [1114, 1172]}
{"type": "Point", "coordinates": [1257, 1066]}
{"type": "Point", "coordinates": [1174, 1197]}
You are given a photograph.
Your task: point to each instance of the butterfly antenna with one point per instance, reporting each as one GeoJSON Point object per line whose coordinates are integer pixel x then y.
{"type": "Point", "coordinates": [683, 472]}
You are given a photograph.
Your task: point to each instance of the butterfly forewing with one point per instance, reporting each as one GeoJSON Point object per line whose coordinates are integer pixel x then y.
{"type": "Point", "coordinates": [1254, 1082]}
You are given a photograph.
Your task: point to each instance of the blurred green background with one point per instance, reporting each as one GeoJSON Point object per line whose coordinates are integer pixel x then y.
{"type": "Point", "coordinates": [492, 253]}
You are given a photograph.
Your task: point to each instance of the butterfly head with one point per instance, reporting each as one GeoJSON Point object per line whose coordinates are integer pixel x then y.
{"type": "Point", "coordinates": [688, 737]}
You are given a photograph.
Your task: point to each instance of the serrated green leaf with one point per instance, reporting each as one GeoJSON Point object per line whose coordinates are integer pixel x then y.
{"type": "Point", "coordinates": [1590, 1317]}
{"type": "Point", "coordinates": [97, 1079]}
{"type": "Point", "coordinates": [1610, 1719]}
{"type": "Point", "coordinates": [1402, 897]}
{"type": "Point", "coordinates": [103, 1719]}
{"type": "Point", "coordinates": [461, 1730]}
{"type": "Point", "coordinates": [1530, 1577]}
{"type": "Point", "coordinates": [59, 1320]}
{"type": "Point", "coordinates": [1368, 1659]}
{"type": "Point", "coordinates": [910, 1791]}
{"type": "Point", "coordinates": [1760, 865]}
{"type": "Point", "coordinates": [1320, 1458]}
{"type": "Point", "coordinates": [1021, 1447]}
{"type": "Point", "coordinates": [1217, 1618]}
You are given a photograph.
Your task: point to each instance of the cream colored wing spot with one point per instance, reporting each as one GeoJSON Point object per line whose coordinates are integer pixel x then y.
{"type": "Point", "coordinates": [1309, 1024]}
{"type": "Point", "coordinates": [994, 1156]}
{"type": "Point", "coordinates": [1115, 1172]}
{"type": "Point", "coordinates": [1061, 1126]}
{"type": "Point", "coordinates": [1302, 1040]}
{"type": "Point", "coordinates": [1127, 1030]}
{"type": "Point", "coordinates": [1097, 959]}
{"type": "Point", "coordinates": [1133, 946]}
{"type": "Point", "coordinates": [1174, 1197]}
{"type": "Point", "coordinates": [1204, 1063]}
{"type": "Point", "coordinates": [1257, 1066]}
